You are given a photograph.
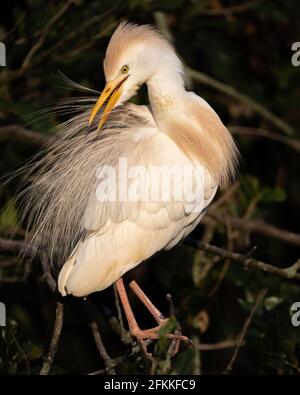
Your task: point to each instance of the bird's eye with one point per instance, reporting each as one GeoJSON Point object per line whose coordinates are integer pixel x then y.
{"type": "Point", "coordinates": [124, 69]}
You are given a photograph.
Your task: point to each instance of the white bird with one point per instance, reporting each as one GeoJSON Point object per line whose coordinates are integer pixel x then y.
{"type": "Point", "coordinates": [102, 240]}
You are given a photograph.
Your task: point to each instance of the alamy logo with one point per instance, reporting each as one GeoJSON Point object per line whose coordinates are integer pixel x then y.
{"type": "Point", "coordinates": [2, 314]}
{"type": "Point", "coordinates": [296, 56]}
{"type": "Point", "coordinates": [2, 54]}
{"type": "Point", "coordinates": [128, 183]}
{"type": "Point", "coordinates": [296, 315]}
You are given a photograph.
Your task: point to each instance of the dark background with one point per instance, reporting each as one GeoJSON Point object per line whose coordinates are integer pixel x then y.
{"type": "Point", "coordinates": [242, 50]}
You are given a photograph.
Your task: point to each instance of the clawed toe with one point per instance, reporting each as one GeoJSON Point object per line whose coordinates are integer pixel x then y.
{"type": "Point", "coordinates": [142, 335]}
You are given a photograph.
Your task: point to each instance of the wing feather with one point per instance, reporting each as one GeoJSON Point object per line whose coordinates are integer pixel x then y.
{"type": "Point", "coordinates": [134, 231]}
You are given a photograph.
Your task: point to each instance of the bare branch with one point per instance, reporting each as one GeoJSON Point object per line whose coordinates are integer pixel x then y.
{"type": "Point", "coordinates": [25, 136]}
{"type": "Point", "coordinates": [47, 273]}
{"type": "Point", "coordinates": [14, 247]}
{"type": "Point", "coordinates": [220, 345]}
{"type": "Point", "coordinates": [259, 226]}
{"type": "Point", "coordinates": [22, 352]}
{"type": "Point", "coordinates": [248, 101]}
{"type": "Point", "coordinates": [59, 317]}
{"type": "Point", "coordinates": [259, 132]}
{"type": "Point", "coordinates": [258, 301]}
{"type": "Point", "coordinates": [236, 9]}
{"type": "Point", "coordinates": [45, 32]}
{"type": "Point", "coordinates": [226, 196]}
{"type": "Point", "coordinates": [80, 31]}
{"type": "Point", "coordinates": [289, 272]}
{"type": "Point", "coordinates": [109, 364]}
{"type": "Point", "coordinates": [116, 362]}
{"type": "Point", "coordinates": [13, 231]}
{"type": "Point", "coordinates": [95, 325]}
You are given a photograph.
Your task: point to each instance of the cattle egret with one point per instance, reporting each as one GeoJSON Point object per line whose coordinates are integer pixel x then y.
{"type": "Point", "coordinates": [92, 232]}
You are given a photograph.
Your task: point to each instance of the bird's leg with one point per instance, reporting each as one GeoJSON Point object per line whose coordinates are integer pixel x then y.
{"type": "Point", "coordinates": [153, 310]}
{"type": "Point", "coordinates": [158, 316]}
{"type": "Point", "coordinates": [135, 330]}
{"type": "Point", "coordinates": [132, 323]}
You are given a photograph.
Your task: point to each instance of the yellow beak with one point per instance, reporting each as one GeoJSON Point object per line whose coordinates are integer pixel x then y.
{"type": "Point", "coordinates": [112, 89]}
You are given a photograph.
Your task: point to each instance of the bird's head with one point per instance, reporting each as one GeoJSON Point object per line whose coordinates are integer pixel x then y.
{"type": "Point", "coordinates": [135, 53]}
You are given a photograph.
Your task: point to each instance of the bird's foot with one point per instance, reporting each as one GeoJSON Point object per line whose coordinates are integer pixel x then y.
{"type": "Point", "coordinates": [154, 334]}
{"type": "Point", "coordinates": [143, 336]}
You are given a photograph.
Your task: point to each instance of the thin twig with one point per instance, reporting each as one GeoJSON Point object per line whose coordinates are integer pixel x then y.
{"type": "Point", "coordinates": [22, 352]}
{"type": "Point", "coordinates": [248, 101]}
{"type": "Point", "coordinates": [255, 226]}
{"type": "Point", "coordinates": [12, 280]}
{"type": "Point", "coordinates": [47, 274]}
{"type": "Point", "coordinates": [225, 197]}
{"type": "Point", "coordinates": [171, 305]}
{"type": "Point", "coordinates": [259, 226]}
{"type": "Point", "coordinates": [289, 272]}
{"type": "Point", "coordinates": [80, 31]}
{"type": "Point", "coordinates": [115, 362]}
{"type": "Point", "coordinates": [175, 343]}
{"type": "Point", "coordinates": [259, 132]}
{"type": "Point", "coordinates": [258, 301]}
{"type": "Point", "coordinates": [220, 345]}
{"type": "Point", "coordinates": [95, 328]}
{"type": "Point", "coordinates": [202, 267]}
{"type": "Point", "coordinates": [236, 9]}
{"type": "Point", "coordinates": [226, 264]}
{"type": "Point", "coordinates": [5, 263]}
{"type": "Point", "coordinates": [14, 247]}
{"type": "Point", "coordinates": [197, 366]}
{"type": "Point", "coordinates": [13, 231]}
{"type": "Point", "coordinates": [45, 32]}
{"type": "Point", "coordinates": [19, 134]}
{"type": "Point", "coordinates": [7, 75]}
{"type": "Point", "coordinates": [101, 348]}
{"type": "Point", "coordinates": [17, 247]}
{"type": "Point", "coordinates": [59, 317]}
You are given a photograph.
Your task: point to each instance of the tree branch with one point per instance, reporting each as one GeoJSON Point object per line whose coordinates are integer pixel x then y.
{"type": "Point", "coordinates": [16, 247]}
{"type": "Point", "coordinates": [13, 247]}
{"type": "Point", "coordinates": [109, 364]}
{"type": "Point", "coordinates": [289, 272]}
{"type": "Point", "coordinates": [259, 226]}
{"type": "Point", "coordinates": [25, 136]}
{"type": "Point", "coordinates": [236, 9]}
{"type": "Point", "coordinates": [258, 301]}
{"type": "Point", "coordinates": [95, 325]}
{"type": "Point", "coordinates": [220, 345]}
{"type": "Point", "coordinates": [116, 362]}
{"type": "Point", "coordinates": [47, 273]}
{"type": "Point", "coordinates": [259, 132]}
{"type": "Point", "coordinates": [59, 316]}
{"type": "Point", "coordinates": [45, 32]}
{"type": "Point", "coordinates": [248, 101]}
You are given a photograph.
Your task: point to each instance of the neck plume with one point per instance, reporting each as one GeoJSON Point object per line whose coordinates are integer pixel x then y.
{"type": "Point", "coordinates": [194, 126]}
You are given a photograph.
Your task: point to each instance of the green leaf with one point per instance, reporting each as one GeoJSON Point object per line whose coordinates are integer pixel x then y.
{"type": "Point", "coordinates": [169, 326]}
{"type": "Point", "coordinates": [184, 362]}
{"type": "Point", "coordinates": [269, 195]}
